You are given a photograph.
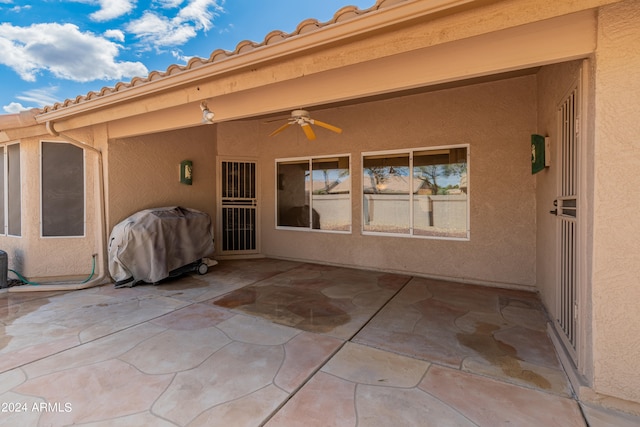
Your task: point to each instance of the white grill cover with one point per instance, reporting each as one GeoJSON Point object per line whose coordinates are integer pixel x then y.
{"type": "Point", "coordinates": [150, 244]}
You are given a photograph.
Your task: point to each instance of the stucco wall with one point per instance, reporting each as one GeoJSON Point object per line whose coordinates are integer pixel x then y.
{"type": "Point", "coordinates": [496, 119]}
{"type": "Point", "coordinates": [616, 226]}
{"type": "Point", "coordinates": [144, 172]}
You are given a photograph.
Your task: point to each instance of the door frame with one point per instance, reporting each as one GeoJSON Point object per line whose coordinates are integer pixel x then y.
{"type": "Point", "coordinates": [220, 205]}
{"type": "Point", "coordinates": [578, 364]}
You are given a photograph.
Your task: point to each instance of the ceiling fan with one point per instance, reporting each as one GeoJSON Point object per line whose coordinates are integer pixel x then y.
{"type": "Point", "coordinates": [303, 118]}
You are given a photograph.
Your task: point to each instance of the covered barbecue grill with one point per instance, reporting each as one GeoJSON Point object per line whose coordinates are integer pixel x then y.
{"type": "Point", "coordinates": [155, 244]}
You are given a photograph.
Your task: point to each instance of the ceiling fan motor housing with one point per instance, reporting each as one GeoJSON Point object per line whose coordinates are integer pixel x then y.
{"type": "Point", "coordinates": [300, 114]}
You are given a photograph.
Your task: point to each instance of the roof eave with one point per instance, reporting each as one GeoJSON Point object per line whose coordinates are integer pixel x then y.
{"type": "Point", "coordinates": [355, 27]}
{"type": "Point", "coordinates": [16, 120]}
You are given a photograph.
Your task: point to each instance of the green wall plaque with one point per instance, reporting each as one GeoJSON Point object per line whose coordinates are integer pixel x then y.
{"type": "Point", "coordinates": [186, 172]}
{"type": "Point", "coordinates": [537, 153]}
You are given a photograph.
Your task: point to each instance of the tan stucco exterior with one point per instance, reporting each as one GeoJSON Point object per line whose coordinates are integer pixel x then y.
{"type": "Point", "coordinates": [143, 165]}
{"type": "Point", "coordinates": [53, 257]}
{"type": "Point", "coordinates": [405, 74]}
{"type": "Point", "coordinates": [616, 229]}
{"type": "Point", "coordinates": [502, 188]}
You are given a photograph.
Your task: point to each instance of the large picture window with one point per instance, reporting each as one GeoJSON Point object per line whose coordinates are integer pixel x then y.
{"type": "Point", "coordinates": [314, 193]}
{"type": "Point", "coordinates": [419, 193]}
{"type": "Point", "coordinates": [10, 193]}
{"type": "Point", "coordinates": [62, 190]}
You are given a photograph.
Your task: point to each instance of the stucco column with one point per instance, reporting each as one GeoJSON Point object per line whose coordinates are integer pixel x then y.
{"type": "Point", "coordinates": [616, 224]}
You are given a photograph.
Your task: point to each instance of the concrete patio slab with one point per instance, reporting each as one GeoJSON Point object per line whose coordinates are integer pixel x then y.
{"type": "Point", "coordinates": [281, 343]}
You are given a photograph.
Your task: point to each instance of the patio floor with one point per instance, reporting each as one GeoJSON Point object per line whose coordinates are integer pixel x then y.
{"type": "Point", "coordinates": [280, 343]}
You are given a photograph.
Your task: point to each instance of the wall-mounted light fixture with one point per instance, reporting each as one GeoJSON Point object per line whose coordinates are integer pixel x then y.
{"type": "Point", "coordinates": [207, 115]}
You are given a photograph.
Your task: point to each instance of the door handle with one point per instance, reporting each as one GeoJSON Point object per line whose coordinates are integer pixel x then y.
{"type": "Point", "coordinates": [554, 212]}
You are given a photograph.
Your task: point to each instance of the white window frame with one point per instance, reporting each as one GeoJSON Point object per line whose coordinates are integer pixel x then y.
{"type": "Point", "coordinates": [410, 152]}
{"type": "Point", "coordinates": [310, 160]}
{"type": "Point", "coordinates": [4, 228]}
{"type": "Point", "coordinates": [84, 193]}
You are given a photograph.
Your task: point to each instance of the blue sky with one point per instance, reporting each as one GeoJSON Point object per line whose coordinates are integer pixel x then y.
{"type": "Point", "coordinates": [52, 50]}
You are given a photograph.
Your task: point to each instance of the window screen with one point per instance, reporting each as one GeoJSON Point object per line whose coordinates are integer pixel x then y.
{"type": "Point", "coordinates": [14, 198]}
{"type": "Point", "coordinates": [2, 183]}
{"type": "Point", "coordinates": [62, 190]}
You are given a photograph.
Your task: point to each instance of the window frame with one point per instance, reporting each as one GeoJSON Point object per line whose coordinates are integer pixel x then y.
{"type": "Point", "coordinates": [410, 152]}
{"type": "Point", "coordinates": [4, 227]}
{"type": "Point", "coordinates": [310, 160]}
{"type": "Point", "coordinates": [84, 193]}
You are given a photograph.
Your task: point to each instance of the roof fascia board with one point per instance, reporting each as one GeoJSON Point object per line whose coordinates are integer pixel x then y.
{"type": "Point", "coordinates": [330, 34]}
{"type": "Point", "coordinates": [19, 125]}
{"type": "Point", "coordinates": [19, 133]}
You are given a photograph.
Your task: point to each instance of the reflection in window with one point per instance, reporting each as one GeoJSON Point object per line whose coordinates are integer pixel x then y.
{"type": "Point", "coordinates": [418, 193]}
{"type": "Point", "coordinates": [386, 193]}
{"type": "Point", "coordinates": [314, 193]}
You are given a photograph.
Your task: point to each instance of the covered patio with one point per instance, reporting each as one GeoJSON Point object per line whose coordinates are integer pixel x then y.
{"type": "Point", "coordinates": [283, 343]}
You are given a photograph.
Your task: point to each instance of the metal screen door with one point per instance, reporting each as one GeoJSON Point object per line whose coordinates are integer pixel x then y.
{"type": "Point", "coordinates": [238, 200]}
{"type": "Point", "coordinates": [567, 213]}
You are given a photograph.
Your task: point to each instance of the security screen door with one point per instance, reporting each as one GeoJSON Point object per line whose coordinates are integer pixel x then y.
{"type": "Point", "coordinates": [238, 201]}
{"type": "Point", "coordinates": [567, 212]}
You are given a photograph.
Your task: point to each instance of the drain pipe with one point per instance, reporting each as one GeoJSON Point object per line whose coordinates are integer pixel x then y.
{"type": "Point", "coordinates": [63, 286]}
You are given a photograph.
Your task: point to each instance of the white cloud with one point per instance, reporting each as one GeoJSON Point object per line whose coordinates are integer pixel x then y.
{"type": "Point", "coordinates": [229, 28]}
{"type": "Point", "coordinates": [35, 97]}
{"type": "Point", "coordinates": [115, 35]}
{"type": "Point", "coordinates": [159, 31]}
{"type": "Point", "coordinates": [199, 12]}
{"type": "Point", "coordinates": [14, 107]}
{"type": "Point", "coordinates": [111, 9]}
{"type": "Point", "coordinates": [15, 9]}
{"type": "Point", "coordinates": [18, 9]}
{"type": "Point", "coordinates": [64, 51]}
{"type": "Point", "coordinates": [177, 54]}
{"type": "Point", "coordinates": [168, 4]}
{"type": "Point", "coordinates": [40, 97]}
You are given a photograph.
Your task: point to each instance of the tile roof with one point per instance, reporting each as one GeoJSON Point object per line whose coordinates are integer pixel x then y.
{"type": "Point", "coordinates": [304, 27]}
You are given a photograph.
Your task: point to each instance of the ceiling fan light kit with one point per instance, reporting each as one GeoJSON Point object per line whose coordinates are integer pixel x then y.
{"type": "Point", "coordinates": [304, 120]}
{"type": "Point", "coordinates": [207, 115]}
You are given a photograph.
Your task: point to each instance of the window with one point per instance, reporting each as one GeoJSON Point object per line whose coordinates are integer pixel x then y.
{"type": "Point", "coordinates": [314, 193]}
{"type": "Point", "coordinates": [3, 180]}
{"type": "Point", "coordinates": [10, 193]}
{"type": "Point", "coordinates": [62, 190]}
{"type": "Point", "coordinates": [419, 193]}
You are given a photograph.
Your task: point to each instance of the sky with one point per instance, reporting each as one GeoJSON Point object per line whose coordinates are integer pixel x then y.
{"type": "Point", "coordinates": [53, 50]}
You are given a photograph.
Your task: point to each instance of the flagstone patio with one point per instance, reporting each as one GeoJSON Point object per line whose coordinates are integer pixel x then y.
{"type": "Point", "coordinates": [281, 343]}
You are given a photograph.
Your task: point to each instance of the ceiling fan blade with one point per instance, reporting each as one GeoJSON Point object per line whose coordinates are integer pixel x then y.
{"type": "Point", "coordinates": [280, 129]}
{"type": "Point", "coordinates": [308, 131]}
{"type": "Point", "coordinates": [327, 126]}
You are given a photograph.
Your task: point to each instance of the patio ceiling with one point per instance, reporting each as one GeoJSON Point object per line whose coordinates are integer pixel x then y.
{"type": "Point", "coordinates": [276, 88]}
